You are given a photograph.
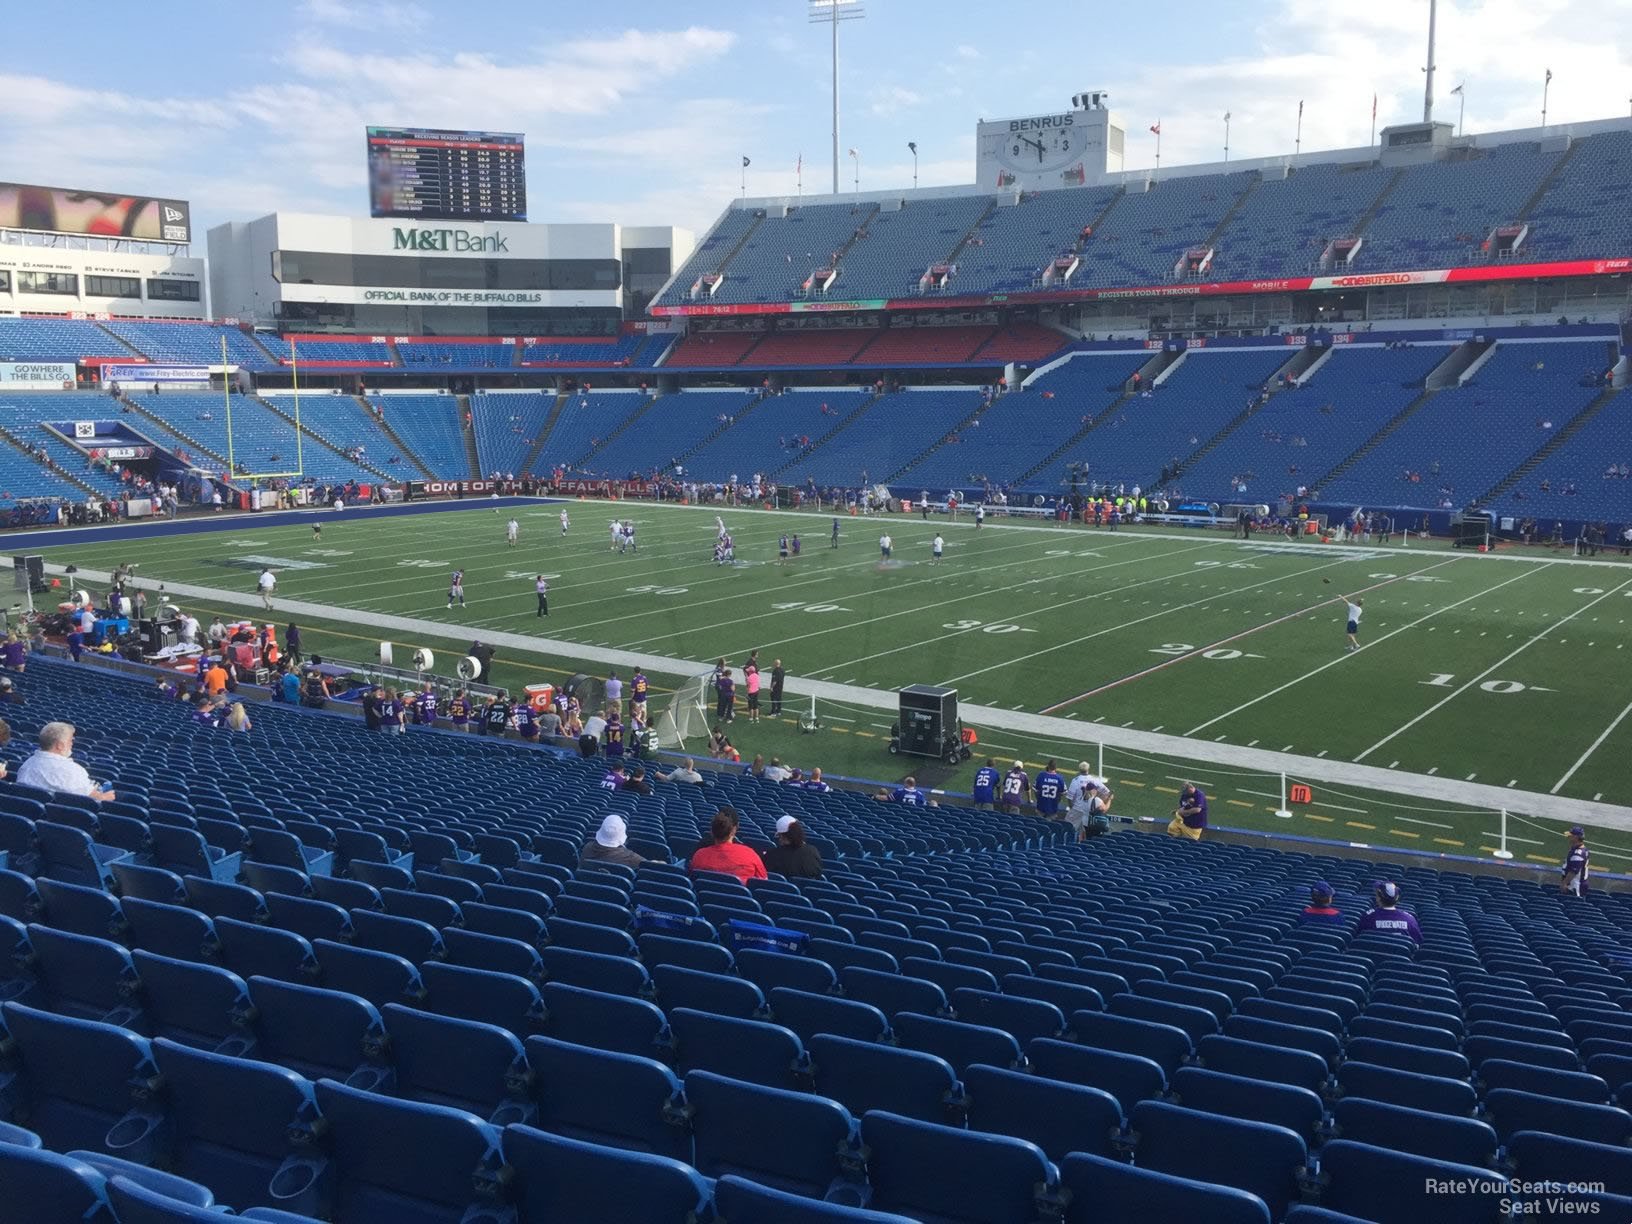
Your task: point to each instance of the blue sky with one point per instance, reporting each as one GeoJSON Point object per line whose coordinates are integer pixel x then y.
{"type": "Point", "coordinates": [640, 112]}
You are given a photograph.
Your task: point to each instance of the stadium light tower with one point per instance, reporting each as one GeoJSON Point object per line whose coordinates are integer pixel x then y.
{"type": "Point", "coordinates": [830, 13]}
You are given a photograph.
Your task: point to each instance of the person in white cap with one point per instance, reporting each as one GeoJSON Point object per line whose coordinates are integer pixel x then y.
{"type": "Point", "coordinates": [608, 844]}
{"type": "Point", "coordinates": [792, 855]}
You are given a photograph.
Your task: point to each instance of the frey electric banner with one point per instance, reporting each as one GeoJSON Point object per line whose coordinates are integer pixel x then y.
{"type": "Point", "coordinates": [102, 214]}
{"type": "Point", "coordinates": [36, 375]}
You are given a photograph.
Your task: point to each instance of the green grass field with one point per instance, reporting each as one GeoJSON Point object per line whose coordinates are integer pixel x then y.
{"type": "Point", "coordinates": [1506, 670]}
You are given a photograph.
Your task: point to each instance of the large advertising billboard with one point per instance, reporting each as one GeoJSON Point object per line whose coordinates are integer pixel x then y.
{"type": "Point", "coordinates": [96, 214]}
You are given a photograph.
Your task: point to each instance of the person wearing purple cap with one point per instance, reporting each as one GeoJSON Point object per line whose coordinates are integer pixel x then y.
{"type": "Point", "coordinates": [1385, 916]}
{"type": "Point", "coordinates": [1576, 869]}
{"type": "Point", "coordinates": [1320, 911]}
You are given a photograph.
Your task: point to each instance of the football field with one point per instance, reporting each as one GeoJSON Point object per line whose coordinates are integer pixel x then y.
{"type": "Point", "coordinates": [1502, 669]}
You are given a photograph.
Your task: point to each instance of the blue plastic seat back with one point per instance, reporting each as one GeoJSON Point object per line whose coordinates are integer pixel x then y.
{"type": "Point", "coordinates": [1527, 1077]}
{"type": "Point", "coordinates": [249, 949]}
{"type": "Point", "coordinates": [768, 970]}
{"type": "Point", "coordinates": [81, 910]}
{"type": "Point", "coordinates": [1375, 1183]}
{"type": "Point", "coordinates": [1257, 1157]}
{"type": "Point", "coordinates": [959, 1043]}
{"type": "Point", "coordinates": [892, 993]}
{"type": "Point", "coordinates": [863, 1075]}
{"type": "Point", "coordinates": [86, 1085]}
{"type": "Point", "coordinates": [460, 1063]}
{"type": "Point", "coordinates": [945, 1173]}
{"type": "Point", "coordinates": [1437, 1136]}
{"type": "Point", "coordinates": [1433, 1093]}
{"type": "Point", "coordinates": [750, 1050]}
{"type": "Point", "coordinates": [439, 1163]}
{"type": "Point", "coordinates": [503, 999]}
{"type": "Point", "coordinates": [1540, 1157]}
{"type": "Point", "coordinates": [1297, 1109]}
{"type": "Point", "coordinates": [93, 979]}
{"type": "Point", "coordinates": [619, 1099]}
{"type": "Point", "coordinates": [416, 942]}
{"type": "Point", "coordinates": [427, 907]}
{"type": "Point", "coordinates": [378, 977]}
{"type": "Point", "coordinates": [569, 1179]}
{"type": "Point", "coordinates": [815, 1146]}
{"type": "Point", "coordinates": [195, 1004]}
{"type": "Point", "coordinates": [1511, 1110]}
{"type": "Point", "coordinates": [1254, 1060]}
{"type": "Point", "coordinates": [607, 1021]}
{"type": "Point", "coordinates": [171, 930]}
{"type": "Point", "coordinates": [1446, 1063]}
{"type": "Point", "coordinates": [1130, 1078]}
{"type": "Point", "coordinates": [746, 1202]}
{"type": "Point", "coordinates": [710, 992]}
{"type": "Point", "coordinates": [245, 1129]}
{"type": "Point", "coordinates": [1163, 1044]}
{"type": "Point", "coordinates": [1107, 1191]}
{"type": "Point", "coordinates": [319, 1033]}
{"type": "Point", "coordinates": [1058, 1117]}
{"type": "Point", "coordinates": [54, 1189]}
{"type": "Point", "coordinates": [595, 971]}
{"type": "Point", "coordinates": [221, 899]}
{"type": "Point", "coordinates": [808, 1014]}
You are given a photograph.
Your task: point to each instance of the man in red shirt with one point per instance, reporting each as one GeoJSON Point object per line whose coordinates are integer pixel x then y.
{"type": "Point", "coordinates": [724, 853]}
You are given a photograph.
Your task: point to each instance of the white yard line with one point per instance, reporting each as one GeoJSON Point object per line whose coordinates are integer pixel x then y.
{"type": "Point", "coordinates": [1513, 654]}
{"type": "Point", "coordinates": [1596, 744]}
{"type": "Point", "coordinates": [1372, 645]}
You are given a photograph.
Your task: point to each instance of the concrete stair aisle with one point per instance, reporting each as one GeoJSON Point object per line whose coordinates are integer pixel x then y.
{"type": "Point", "coordinates": [403, 448]}
{"type": "Point", "coordinates": [1559, 438]}
{"type": "Point", "coordinates": [827, 437]}
{"type": "Point", "coordinates": [1370, 444]}
{"type": "Point", "coordinates": [61, 473]}
{"type": "Point", "coordinates": [192, 444]}
{"type": "Point", "coordinates": [939, 443]}
{"type": "Point", "coordinates": [544, 432]}
{"type": "Point", "coordinates": [635, 416]}
{"type": "Point", "coordinates": [736, 417]}
{"type": "Point", "coordinates": [309, 432]}
{"type": "Point", "coordinates": [469, 429]}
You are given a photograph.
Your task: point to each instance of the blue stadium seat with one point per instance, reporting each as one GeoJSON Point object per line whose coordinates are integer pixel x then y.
{"type": "Point", "coordinates": [570, 1179]}
{"type": "Point", "coordinates": [808, 1014]}
{"type": "Point", "coordinates": [512, 1003]}
{"type": "Point", "coordinates": [815, 1152]}
{"type": "Point", "coordinates": [864, 1075]}
{"type": "Point", "coordinates": [1377, 1184]}
{"type": "Point", "coordinates": [46, 1188]}
{"type": "Point", "coordinates": [463, 1064]}
{"type": "Point", "coordinates": [1278, 1064]}
{"type": "Point", "coordinates": [378, 977]}
{"type": "Point", "coordinates": [1428, 1092]}
{"type": "Point", "coordinates": [753, 1051]}
{"type": "Point", "coordinates": [1130, 1078]}
{"type": "Point", "coordinates": [746, 1202]}
{"type": "Point", "coordinates": [81, 910]}
{"type": "Point", "coordinates": [594, 971]}
{"type": "Point", "coordinates": [427, 907]}
{"type": "Point", "coordinates": [1465, 1141]}
{"type": "Point", "coordinates": [1058, 1117]}
{"type": "Point", "coordinates": [948, 1174]}
{"type": "Point", "coordinates": [92, 979]}
{"type": "Point", "coordinates": [587, 937]}
{"type": "Point", "coordinates": [960, 1044]}
{"type": "Point", "coordinates": [687, 953]}
{"type": "Point", "coordinates": [1540, 1157]}
{"type": "Point", "coordinates": [85, 1085]}
{"type": "Point", "coordinates": [768, 970]}
{"type": "Point", "coordinates": [1511, 1110]}
{"type": "Point", "coordinates": [220, 899]}
{"type": "Point", "coordinates": [185, 852]}
{"type": "Point", "coordinates": [1105, 1191]}
{"type": "Point", "coordinates": [249, 949]}
{"type": "Point", "coordinates": [1445, 1063]}
{"type": "Point", "coordinates": [1257, 1157]}
{"type": "Point", "coordinates": [440, 1163]}
{"type": "Point", "coordinates": [416, 942]}
{"type": "Point", "coordinates": [1297, 1109]}
{"type": "Point", "coordinates": [196, 1004]}
{"type": "Point", "coordinates": [891, 993]}
{"type": "Point", "coordinates": [709, 992]}
{"type": "Point", "coordinates": [620, 1099]}
{"type": "Point", "coordinates": [320, 1033]}
{"type": "Point", "coordinates": [1163, 1044]}
{"type": "Point", "coordinates": [1527, 1077]}
{"type": "Point", "coordinates": [309, 918]}
{"type": "Point", "coordinates": [247, 1130]}
{"type": "Point", "coordinates": [496, 953]}
{"type": "Point", "coordinates": [607, 1021]}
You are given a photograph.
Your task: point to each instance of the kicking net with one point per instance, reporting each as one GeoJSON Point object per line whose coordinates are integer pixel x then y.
{"type": "Point", "coordinates": [687, 715]}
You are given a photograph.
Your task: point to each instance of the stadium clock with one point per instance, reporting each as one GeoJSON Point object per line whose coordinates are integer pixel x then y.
{"type": "Point", "coordinates": [1039, 150]}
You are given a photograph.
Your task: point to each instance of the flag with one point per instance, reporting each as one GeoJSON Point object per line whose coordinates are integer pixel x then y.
{"type": "Point", "coordinates": [1157, 127]}
{"type": "Point", "coordinates": [799, 166]}
{"type": "Point", "coordinates": [1300, 108]}
{"type": "Point", "coordinates": [854, 153]}
{"type": "Point", "coordinates": [1226, 116]}
{"type": "Point", "coordinates": [1457, 92]}
{"type": "Point", "coordinates": [1374, 108]}
{"type": "Point", "coordinates": [745, 163]}
{"type": "Point", "coordinates": [1549, 76]}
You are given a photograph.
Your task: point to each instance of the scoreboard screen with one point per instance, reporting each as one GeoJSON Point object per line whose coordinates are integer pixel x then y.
{"type": "Point", "coordinates": [430, 174]}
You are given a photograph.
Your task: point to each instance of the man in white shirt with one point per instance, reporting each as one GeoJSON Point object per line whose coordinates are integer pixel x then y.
{"type": "Point", "coordinates": [267, 583]}
{"type": "Point", "coordinates": [218, 632]}
{"type": "Point", "coordinates": [53, 768]}
{"type": "Point", "coordinates": [614, 690]}
{"type": "Point", "coordinates": [935, 547]}
{"type": "Point", "coordinates": [687, 772]}
{"type": "Point", "coordinates": [1357, 605]}
{"type": "Point", "coordinates": [776, 771]}
{"type": "Point", "coordinates": [188, 629]}
{"type": "Point", "coordinates": [884, 545]}
{"type": "Point", "coordinates": [1081, 792]}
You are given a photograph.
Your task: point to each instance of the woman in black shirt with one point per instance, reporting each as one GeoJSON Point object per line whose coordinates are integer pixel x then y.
{"type": "Point", "coordinates": [792, 855]}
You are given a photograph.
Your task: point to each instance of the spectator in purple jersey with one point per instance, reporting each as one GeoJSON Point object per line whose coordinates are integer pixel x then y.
{"type": "Point", "coordinates": [1320, 911]}
{"type": "Point", "coordinates": [1576, 869]}
{"type": "Point", "coordinates": [727, 706]}
{"type": "Point", "coordinates": [526, 719]}
{"type": "Point", "coordinates": [1190, 817]}
{"type": "Point", "coordinates": [1385, 915]}
{"type": "Point", "coordinates": [13, 654]}
{"type": "Point", "coordinates": [425, 708]}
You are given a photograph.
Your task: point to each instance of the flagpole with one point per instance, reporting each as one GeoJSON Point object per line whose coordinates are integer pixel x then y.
{"type": "Point", "coordinates": [1297, 143]}
{"type": "Point", "coordinates": [1226, 136]}
{"type": "Point", "coordinates": [1546, 85]}
{"type": "Point", "coordinates": [1373, 118]}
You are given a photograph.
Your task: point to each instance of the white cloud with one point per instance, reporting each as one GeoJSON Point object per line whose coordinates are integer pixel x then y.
{"type": "Point", "coordinates": [966, 52]}
{"type": "Point", "coordinates": [376, 15]}
{"type": "Point", "coordinates": [893, 99]}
